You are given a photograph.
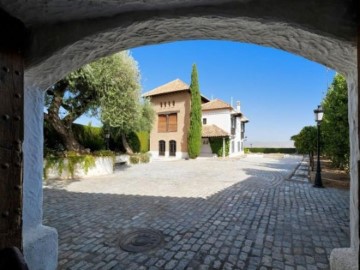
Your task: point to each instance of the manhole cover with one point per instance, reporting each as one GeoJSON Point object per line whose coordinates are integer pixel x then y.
{"type": "Point", "coordinates": [141, 240]}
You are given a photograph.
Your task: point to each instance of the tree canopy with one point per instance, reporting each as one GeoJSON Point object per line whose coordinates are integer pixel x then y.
{"type": "Point", "coordinates": [306, 141]}
{"type": "Point", "coordinates": [108, 88]}
{"type": "Point", "coordinates": [194, 137]}
{"type": "Point", "coordinates": [335, 125]}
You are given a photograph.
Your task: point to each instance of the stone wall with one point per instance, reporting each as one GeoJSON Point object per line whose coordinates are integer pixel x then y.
{"type": "Point", "coordinates": [102, 166]}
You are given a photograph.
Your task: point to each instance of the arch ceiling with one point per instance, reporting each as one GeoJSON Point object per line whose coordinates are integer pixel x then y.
{"type": "Point", "coordinates": [64, 35]}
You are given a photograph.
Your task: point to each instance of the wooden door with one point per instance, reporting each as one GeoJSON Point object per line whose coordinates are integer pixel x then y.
{"type": "Point", "coordinates": [11, 130]}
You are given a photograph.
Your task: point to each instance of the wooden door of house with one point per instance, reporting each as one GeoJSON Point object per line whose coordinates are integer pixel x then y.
{"type": "Point", "coordinates": [161, 148]}
{"type": "Point", "coordinates": [172, 148]}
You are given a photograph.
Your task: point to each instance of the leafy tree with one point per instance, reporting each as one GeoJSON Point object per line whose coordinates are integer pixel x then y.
{"type": "Point", "coordinates": [335, 125]}
{"type": "Point", "coordinates": [124, 129]}
{"type": "Point", "coordinates": [108, 87]}
{"type": "Point", "coordinates": [306, 142]}
{"type": "Point", "coordinates": [194, 137]}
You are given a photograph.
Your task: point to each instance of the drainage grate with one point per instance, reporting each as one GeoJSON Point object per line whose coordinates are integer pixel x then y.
{"type": "Point", "coordinates": [141, 240]}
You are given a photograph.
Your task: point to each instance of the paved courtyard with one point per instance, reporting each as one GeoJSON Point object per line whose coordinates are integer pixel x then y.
{"type": "Point", "coordinates": [247, 213]}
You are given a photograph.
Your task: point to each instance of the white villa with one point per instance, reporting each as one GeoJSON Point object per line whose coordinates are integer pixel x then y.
{"type": "Point", "coordinates": [172, 103]}
{"type": "Point", "coordinates": [220, 119]}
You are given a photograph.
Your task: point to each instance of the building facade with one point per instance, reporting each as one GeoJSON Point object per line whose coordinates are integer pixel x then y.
{"type": "Point", "coordinates": [232, 121]}
{"type": "Point", "coordinates": [172, 105]}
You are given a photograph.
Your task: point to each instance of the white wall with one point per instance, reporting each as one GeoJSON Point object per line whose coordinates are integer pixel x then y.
{"type": "Point", "coordinates": [220, 118]}
{"type": "Point", "coordinates": [40, 243]}
{"type": "Point", "coordinates": [179, 155]}
{"type": "Point", "coordinates": [103, 166]}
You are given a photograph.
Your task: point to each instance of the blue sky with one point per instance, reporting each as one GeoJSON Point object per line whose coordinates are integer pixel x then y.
{"type": "Point", "coordinates": [278, 91]}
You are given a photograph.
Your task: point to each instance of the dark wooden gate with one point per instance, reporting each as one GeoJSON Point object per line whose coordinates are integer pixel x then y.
{"type": "Point", "coordinates": [11, 130]}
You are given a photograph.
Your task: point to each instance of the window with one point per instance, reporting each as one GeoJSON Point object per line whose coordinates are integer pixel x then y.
{"type": "Point", "coordinates": [172, 147]}
{"type": "Point", "coordinates": [167, 122]}
{"type": "Point", "coordinates": [233, 125]}
{"type": "Point", "coordinates": [233, 122]}
{"type": "Point", "coordinates": [204, 121]}
{"type": "Point", "coordinates": [160, 104]}
{"type": "Point", "coordinates": [173, 102]}
{"type": "Point", "coordinates": [232, 147]}
{"type": "Point", "coordinates": [238, 145]}
{"type": "Point", "coordinates": [172, 122]}
{"type": "Point", "coordinates": [161, 148]}
{"type": "Point", "coordinates": [162, 123]}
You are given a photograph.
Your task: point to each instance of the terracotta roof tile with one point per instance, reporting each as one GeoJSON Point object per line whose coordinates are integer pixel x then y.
{"type": "Point", "coordinates": [215, 104]}
{"type": "Point", "coordinates": [213, 131]}
{"type": "Point", "coordinates": [173, 86]}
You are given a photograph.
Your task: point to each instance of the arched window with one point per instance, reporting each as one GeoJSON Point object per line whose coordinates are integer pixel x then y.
{"type": "Point", "coordinates": [161, 148]}
{"type": "Point", "coordinates": [172, 147]}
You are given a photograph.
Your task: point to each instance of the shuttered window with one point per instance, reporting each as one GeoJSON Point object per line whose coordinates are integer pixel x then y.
{"type": "Point", "coordinates": [167, 122]}
{"type": "Point", "coordinates": [162, 123]}
{"type": "Point", "coordinates": [172, 122]}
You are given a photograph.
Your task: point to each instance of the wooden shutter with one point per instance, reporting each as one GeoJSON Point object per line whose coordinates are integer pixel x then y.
{"type": "Point", "coordinates": [172, 122]}
{"type": "Point", "coordinates": [162, 123]}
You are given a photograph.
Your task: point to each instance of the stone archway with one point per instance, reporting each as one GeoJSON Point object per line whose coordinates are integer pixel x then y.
{"type": "Point", "coordinates": [65, 35]}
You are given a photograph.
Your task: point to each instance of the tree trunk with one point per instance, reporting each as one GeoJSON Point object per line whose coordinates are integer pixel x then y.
{"type": "Point", "coordinates": [65, 133]}
{"type": "Point", "coordinates": [127, 147]}
{"type": "Point", "coordinates": [69, 140]}
{"type": "Point", "coordinates": [61, 126]}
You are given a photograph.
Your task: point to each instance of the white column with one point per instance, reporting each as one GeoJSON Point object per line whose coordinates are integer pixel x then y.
{"type": "Point", "coordinates": [224, 152]}
{"type": "Point", "coordinates": [40, 242]}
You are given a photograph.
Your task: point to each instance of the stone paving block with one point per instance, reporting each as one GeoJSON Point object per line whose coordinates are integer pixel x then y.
{"type": "Point", "coordinates": [265, 222]}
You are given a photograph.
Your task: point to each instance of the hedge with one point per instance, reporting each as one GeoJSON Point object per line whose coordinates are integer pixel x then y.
{"type": "Point", "coordinates": [94, 139]}
{"type": "Point", "coordinates": [139, 158]}
{"type": "Point", "coordinates": [89, 137]}
{"type": "Point", "coordinates": [266, 150]}
{"type": "Point", "coordinates": [216, 145]}
{"type": "Point", "coordinates": [144, 138]}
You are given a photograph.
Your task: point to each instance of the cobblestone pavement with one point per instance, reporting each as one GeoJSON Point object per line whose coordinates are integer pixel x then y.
{"type": "Point", "coordinates": [262, 221]}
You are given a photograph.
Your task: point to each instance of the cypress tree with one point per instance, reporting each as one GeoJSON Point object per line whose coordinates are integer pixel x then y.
{"type": "Point", "coordinates": [194, 136]}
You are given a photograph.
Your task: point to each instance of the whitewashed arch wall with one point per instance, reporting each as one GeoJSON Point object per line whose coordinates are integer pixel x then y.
{"type": "Point", "coordinates": [55, 48]}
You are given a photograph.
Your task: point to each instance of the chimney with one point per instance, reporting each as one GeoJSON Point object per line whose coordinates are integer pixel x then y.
{"type": "Point", "coordinates": [238, 106]}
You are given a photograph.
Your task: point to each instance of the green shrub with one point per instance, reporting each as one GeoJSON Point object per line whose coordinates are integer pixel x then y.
{"type": "Point", "coordinates": [144, 158]}
{"type": "Point", "coordinates": [144, 138]}
{"type": "Point", "coordinates": [104, 153]}
{"type": "Point", "coordinates": [139, 158]}
{"type": "Point", "coordinates": [268, 150]}
{"type": "Point", "coordinates": [134, 159]}
{"type": "Point", "coordinates": [216, 145]}
{"type": "Point", "coordinates": [134, 142]}
{"type": "Point", "coordinates": [69, 160]}
{"type": "Point", "coordinates": [89, 137]}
